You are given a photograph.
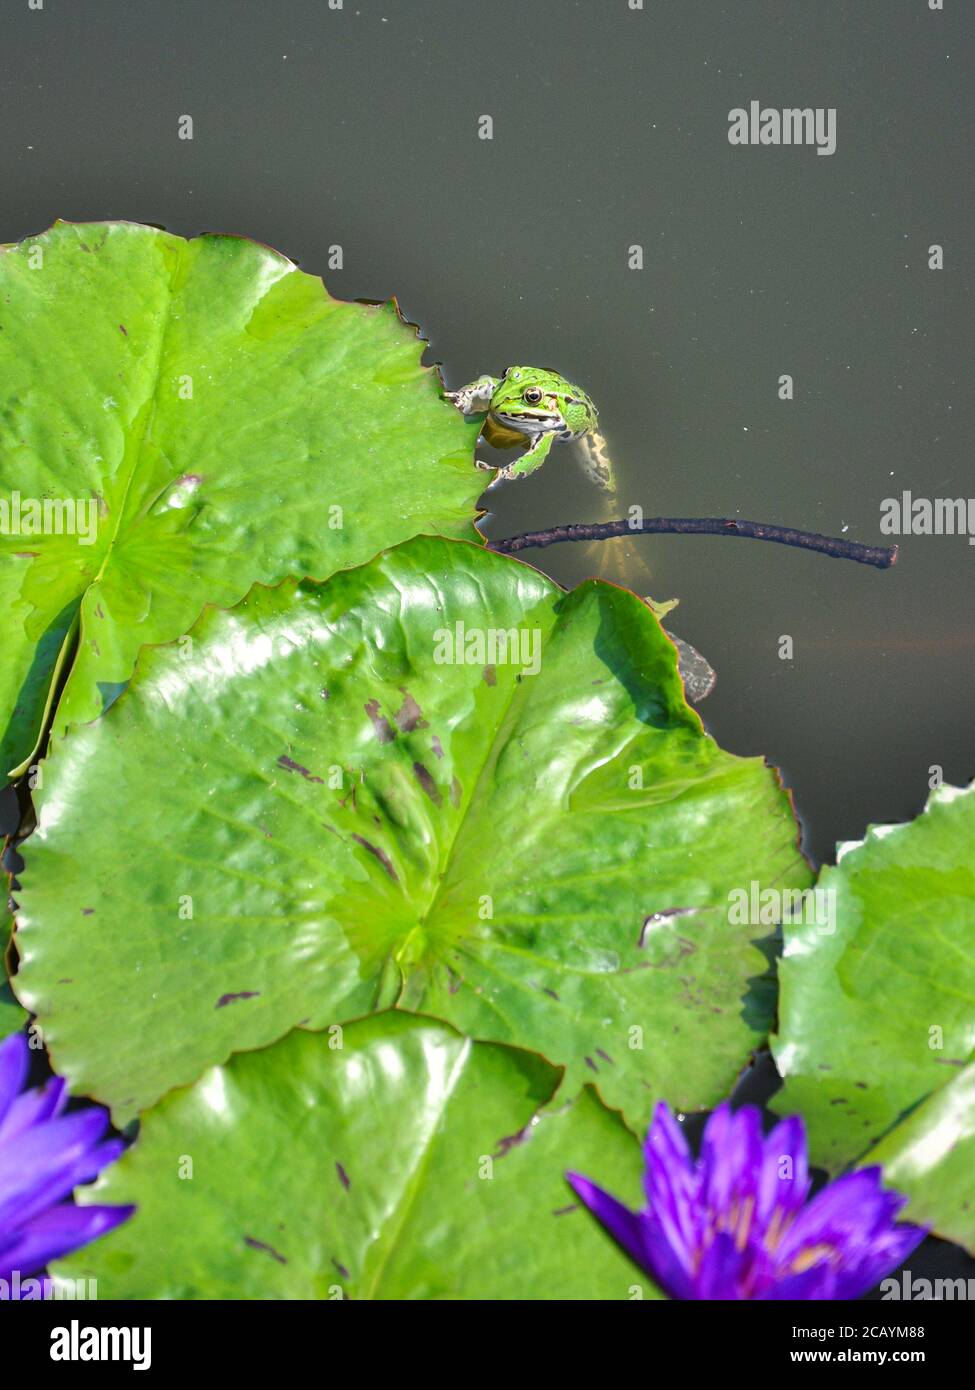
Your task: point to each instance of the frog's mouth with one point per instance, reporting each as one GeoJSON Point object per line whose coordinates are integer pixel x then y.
{"type": "Point", "coordinates": [529, 415]}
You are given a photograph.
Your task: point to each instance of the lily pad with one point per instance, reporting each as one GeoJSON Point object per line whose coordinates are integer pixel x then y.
{"type": "Point", "coordinates": [436, 781]}
{"type": "Point", "coordinates": [877, 1018]}
{"type": "Point", "coordinates": [194, 416]}
{"type": "Point", "coordinates": [13, 1016]}
{"type": "Point", "coordinates": [930, 1155]}
{"type": "Point", "coordinates": [396, 1160]}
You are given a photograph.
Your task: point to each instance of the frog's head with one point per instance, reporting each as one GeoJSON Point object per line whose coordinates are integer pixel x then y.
{"type": "Point", "coordinates": [530, 398]}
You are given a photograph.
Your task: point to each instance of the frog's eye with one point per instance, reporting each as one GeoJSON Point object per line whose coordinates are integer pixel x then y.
{"type": "Point", "coordinates": [532, 394]}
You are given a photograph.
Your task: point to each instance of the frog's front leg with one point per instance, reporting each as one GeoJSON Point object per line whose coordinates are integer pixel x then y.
{"type": "Point", "coordinates": [473, 398]}
{"type": "Point", "coordinates": [531, 459]}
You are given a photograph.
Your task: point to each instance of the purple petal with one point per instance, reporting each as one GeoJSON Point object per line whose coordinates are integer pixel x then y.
{"type": "Point", "coordinates": [784, 1179]}
{"type": "Point", "coordinates": [33, 1107]}
{"type": "Point", "coordinates": [672, 1187]}
{"type": "Point", "coordinates": [667, 1266]}
{"type": "Point", "coordinates": [723, 1269]}
{"type": "Point", "coordinates": [57, 1232]}
{"type": "Point", "coordinates": [874, 1261]}
{"type": "Point", "coordinates": [639, 1235]}
{"type": "Point", "coordinates": [848, 1209]}
{"type": "Point", "coordinates": [44, 1155]}
{"type": "Point", "coordinates": [14, 1065]}
{"type": "Point", "coordinates": [625, 1226]}
{"type": "Point", "coordinates": [817, 1282]}
{"type": "Point", "coordinates": [666, 1139]}
{"type": "Point", "coordinates": [853, 1221]}
{"type": "Point", "coordinates": [731, 1159]}
{"type": "Point", "coordinates": [47, 1162]}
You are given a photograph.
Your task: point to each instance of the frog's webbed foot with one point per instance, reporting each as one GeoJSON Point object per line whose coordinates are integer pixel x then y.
{"type": "Point", "coordinates": [474, 397]}
{"type": "Point", "coordinates": [696, 672]}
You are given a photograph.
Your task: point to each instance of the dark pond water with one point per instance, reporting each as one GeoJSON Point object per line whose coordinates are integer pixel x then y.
{"type": "Point", "coordinates": [359, 127]}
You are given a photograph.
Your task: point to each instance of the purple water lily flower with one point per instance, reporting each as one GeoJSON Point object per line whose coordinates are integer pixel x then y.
{"type": "Point", "coordinates": [735, 1223]}
{"type": "Point", "coordinates": [44, 1155]}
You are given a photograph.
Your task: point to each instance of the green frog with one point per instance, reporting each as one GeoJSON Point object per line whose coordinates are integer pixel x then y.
{"type": "Point", "coordinates": [532, 407]}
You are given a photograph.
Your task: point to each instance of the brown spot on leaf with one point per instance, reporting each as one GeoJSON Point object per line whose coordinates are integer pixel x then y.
{"type": "Point", "coordinates": [564, 1211]}
{"type": "Point", "coordinates": [381, 725]}
{"type": "Point", "coordinates": [123, 329]}
{"type": "Point", "coordinates": [511, 1140]}
{"type": "Point", "coordinates": [379, 854]}
{"type": "Point", "coordinates": [267, 1249]}
{"type": "Point", "coordinates": [409, 716]}
{"type": "Point", "coordinates": [344, 1178]}
{"type": "Point", "coordinates": [290, 765]}
{"type": "Point", "coordinates": [87, 911]}
{"type": "Point", "coordinates": [456, 792]}
{"type": "Point", "coordinates": [437, 746]}
{"type": "Point", "coordinates": [490, 676]}
{"type": "Point", "coordinates": [427, 783]}
{"type": "Point", "coordinates": [232, 998]}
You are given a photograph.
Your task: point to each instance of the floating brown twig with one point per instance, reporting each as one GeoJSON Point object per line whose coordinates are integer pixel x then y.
{"type": "Point", "coordinates": [880, 556]}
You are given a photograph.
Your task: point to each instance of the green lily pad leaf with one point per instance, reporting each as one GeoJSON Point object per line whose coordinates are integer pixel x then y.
{"type": "Point", "coordinates": [13, 1016]}
{"type": "Point", "coordinates": [877, 1018]}
{"type": "Point", "coordinates": [930, 1156]}
{"type": "Point", "coordinates": [436, 781]}
{"type": "Point", "coordinates": [393, 1160]}
{"type": "Point", "coordinates": [179, 420]}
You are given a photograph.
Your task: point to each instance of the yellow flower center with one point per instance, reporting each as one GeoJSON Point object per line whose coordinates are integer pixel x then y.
{"type": "Point", "coordinates": [812, 1255]}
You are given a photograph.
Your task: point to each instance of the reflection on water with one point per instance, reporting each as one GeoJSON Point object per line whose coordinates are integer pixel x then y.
{"type": "Point", "coordinates": [618, 560]}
